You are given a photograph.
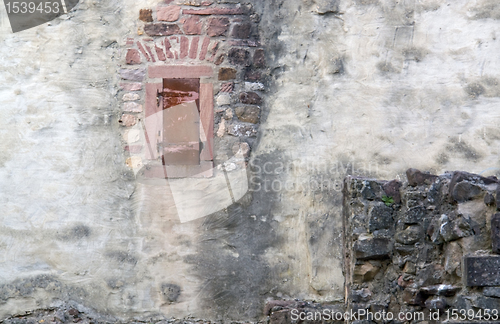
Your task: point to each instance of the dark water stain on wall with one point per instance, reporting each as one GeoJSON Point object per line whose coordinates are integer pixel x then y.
{"type": "Point", "coordinates": [230, 259]}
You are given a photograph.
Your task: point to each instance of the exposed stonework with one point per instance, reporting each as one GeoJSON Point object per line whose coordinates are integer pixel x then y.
{"type": "Point", "coordinates": [432, 250]}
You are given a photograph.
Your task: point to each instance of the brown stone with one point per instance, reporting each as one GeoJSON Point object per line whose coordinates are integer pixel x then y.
{"type": "Point", "coordinates": [242, 30]}
{"type": "Point", "coordinates": [133, 57]}
{"type": "Point", "coordinates": [128, 120]}
{"type": "Point", "coordinates": [365, 272]}
{"type": "Point", "coordinates": [250, 98]}
{"type": "Point", "coordinates": [170, 13]}
{"type": "Point", "coordinates": [227, 74]}
{"type": "Point", "coordinates": [192, 25]}
{"type": "Point", "coordinates": [417, 177]}
{"type": "Point", "coordinates": [391, 188]}
{"type": "Point", "coordinates": [217, 26]}
{"type": "Point", "coordinates": [162, 29]}
{"type": "Point", "coordinates": [248, 114]}
{"type": "Point", "coordinates": [413, 297]}
{"type": "Point", "coordinates": [146, 15]}
{"type": "Point", "coordinates": [259, 58]}
{"type": "Point", "coordinates": [239, 56]}
{"type": "Point", "coordinates": [213, 11]}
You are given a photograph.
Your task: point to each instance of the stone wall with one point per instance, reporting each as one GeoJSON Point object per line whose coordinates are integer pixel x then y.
{"type": "Point", "coordinates": [426, 245]}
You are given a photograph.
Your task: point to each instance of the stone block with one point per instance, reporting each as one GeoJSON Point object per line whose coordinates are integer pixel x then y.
{"type": "Point", "coordinates": [489, 199]}
{"type": "Point", "coordinates": [253, 76]}
{"type": "Point", "coordinates": [365, 272]}
{"type": "Point", "coordinates": [192, 25]}
{"type": "Point", "coordinates": [170, 13]}
{"type": "Point", "coordinates": [414, 215]}
{"type": "Point", "coordinates": [372, 249]}
{"type": "Point", "coordinates": [242, 30]}
{"type": "Point", "coordinates": [250, 98]}
{"type": "Point", "coordinates": [238, 129]}
{"type": "Point", "coordinates": [133, 74]}
{"type": "Point", "coordinates": [131, 97]}
{"type": "Point", "coordinates": [492, 292]}
{"type": "Point", "coordinates": [239, 56]}
{"type": "Point", "coordinates": [464, 191]}
{"type": "Point", "coordinates": [217, 26]}
{"type": "Point", "coordinates": [146, 15]}
{"type": "Point", "coordinates": [133, 57]}
{"type": "Point", "coordinates": [131, 86]}
{"type": "Point", "coordinates": [248, 114]}
{"type": "Point", "coordinates": [410, 235]}
{"type": "Point", "coordinates": [417, 177]}
{"type": "Point", "coordinates": [227, 74]}
{"type": "Point", "coordinates": [381, 218]}
{"type": "Point", "coordinates": [277, 305]}
{"type": "Point", "coordinates": [128, 120]}
{"type": "Point", "coordinates": [482, 271]}
{"type": "Point", "coordinates": [327, 6]}
{"type": "Point", "coordinates": [495, 233]}
{"type": "Point", "coordinates": [162, 29]}
{"type": "Point", "coordinates": [259, 58]}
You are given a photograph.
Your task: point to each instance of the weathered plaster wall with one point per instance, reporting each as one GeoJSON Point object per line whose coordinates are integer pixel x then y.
{"type": "Point", "coordinates": [354, 87]}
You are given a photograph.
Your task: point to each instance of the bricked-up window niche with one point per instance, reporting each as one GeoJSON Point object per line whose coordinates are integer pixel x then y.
{"type": "Point", "coordinates": [179, 122]}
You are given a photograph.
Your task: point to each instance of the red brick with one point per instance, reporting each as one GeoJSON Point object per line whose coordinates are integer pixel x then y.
{"type": "Point", "coordinates": [143, 51]}
{"type": "Point", "coordinates": [184, 46]}
{"type": "Point", "coordinates": [131, 86]}
{"type": "Point", "coordinates": [130, 41]}
{"type": "Point", "coordinates": [159, 53]}
{"type": "Point", "coordinates": [213, 11]}
{"type": "Point", "coordinates": [168, 46]}
{"type": "Point", "coordinates": [162, 29]}
{"type": "Point", "coordinates": [227, 87]}
{"type": "Point", "coordinates": [214, 52]}
{"type": "Point", "coordinates": [179, 71]}
{"type": "Point", "coordinates": [204, 48]}
{"type": "Point", "coordinates": [207, 2]}
{"type": "Point", "coordinates": [146, 15]}
{"type": "Point", "coordinates": [193, 50]}
{"type": "Point", "coordinates": [134, 149]}
{"type": "Point", "coordinates": [150, 52]}
{"type": "Point", "coordinates": [242, 30]}
{"type": "Point", "coordinates": [170, 13]}
{"type": "Point", "coordinates": [133, 57]}
{"type": "Point", "coordinates": [192, 25]}
{"type": "Point", "coordinates": [217, 26]}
